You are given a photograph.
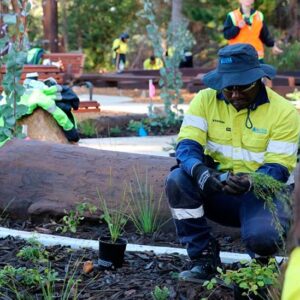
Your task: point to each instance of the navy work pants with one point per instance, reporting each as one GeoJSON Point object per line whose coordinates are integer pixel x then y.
{"type": "Point", "coordinates": [245, 211]}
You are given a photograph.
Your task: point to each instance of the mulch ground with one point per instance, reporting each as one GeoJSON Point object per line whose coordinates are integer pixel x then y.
{"type": "Point", "coordinates": [137, 279]}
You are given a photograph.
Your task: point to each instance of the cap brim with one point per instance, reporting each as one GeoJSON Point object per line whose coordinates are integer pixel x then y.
{"type": "Point", "coordinates": [219, 81]}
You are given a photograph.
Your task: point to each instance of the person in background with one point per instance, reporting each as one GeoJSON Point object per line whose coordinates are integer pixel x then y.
{"type": "Point", "coordinates": [235, 127]}
{"type": "Point", "coordinates": [187, 61]}
{"type": "Point", "coordinates": [247, 25]}
{"type": "Point", "coordinates": [152, 63]}
{"type": "Point", "coordinates": [291, 286]}
{"type": "Point", "coordinates": [120, 48]}
{"type": "Point", "coordinates": [35, 56]}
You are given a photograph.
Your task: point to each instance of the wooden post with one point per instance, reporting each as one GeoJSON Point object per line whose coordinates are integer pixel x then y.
{"type": "Point", "coordinates": [50, 25]}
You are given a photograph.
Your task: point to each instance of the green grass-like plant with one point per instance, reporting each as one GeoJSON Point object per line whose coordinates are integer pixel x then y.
{"type": "Point", "coordinates": [266, 188]}
{"type": "Point", "coordinates": [114, 210]}
{"type": "Point", "coordinates": [144, 210]}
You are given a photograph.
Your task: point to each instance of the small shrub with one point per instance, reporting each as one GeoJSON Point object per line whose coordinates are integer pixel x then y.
{"type": "Point", "coordinates": [115, 131]}
{"type": "Point", "coordinates": [134, 126]}
{"type": "Point", "coordinates": [87, 128]}
{"type": "Point", "coordinates": [160, 294]}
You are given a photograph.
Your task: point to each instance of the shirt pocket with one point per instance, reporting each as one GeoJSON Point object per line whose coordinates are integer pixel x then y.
{"type": "Point", "coordinates": [255, 143]}
{"type": "Point", "coordinates": [219, 133]}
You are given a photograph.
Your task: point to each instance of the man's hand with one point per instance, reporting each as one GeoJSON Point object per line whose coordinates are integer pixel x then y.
{"type": "Point", "coordinates": [241, 24]}
{"type": "Point", "coordinates": [237, 184]}
{"type": "Point", "coordinates": [207, 179]}
{"type": "Point", "coordinates": [276, 50]}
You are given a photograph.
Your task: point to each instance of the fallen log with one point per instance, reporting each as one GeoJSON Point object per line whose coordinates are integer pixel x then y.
{"type": "Point", "coordinates": [42, 179]}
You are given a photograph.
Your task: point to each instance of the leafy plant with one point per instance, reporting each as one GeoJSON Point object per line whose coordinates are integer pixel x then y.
{"type": "Point", "coordinates": [114, 210]}
{"type": "Point", "coordinates": [251, 277]}
{"type": "Point", "coordinates": [35, 252]}
{"type": "Point", "coordinates": [144, 209]}
{"type": "Point", "coordinates": [160, 294]}
{"type": "Point", "coordinates": [13, 54]}
{"type": "Point", "coordinates": [74, 217]}
{"type": "Point", "coordinates": [25, 276]}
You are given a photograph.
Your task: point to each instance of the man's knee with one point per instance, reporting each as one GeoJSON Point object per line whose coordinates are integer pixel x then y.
{"type": "Point", "coordinates": [263, 241]}
{"type": "Point", "coordinates": [180, 189]}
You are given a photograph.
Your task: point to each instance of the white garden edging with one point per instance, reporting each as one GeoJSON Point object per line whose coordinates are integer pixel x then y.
{"type": "Point", "coordinates": [51, 240]}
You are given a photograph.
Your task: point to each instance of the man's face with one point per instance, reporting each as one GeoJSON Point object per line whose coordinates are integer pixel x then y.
{"type": "Point", "coordinates": [241, 96]}
{"type": "Point", "coordinates": [247, 2]}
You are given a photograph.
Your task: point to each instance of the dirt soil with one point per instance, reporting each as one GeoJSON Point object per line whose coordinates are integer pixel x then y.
{"type": "Point", "coordinates": [138, 277]}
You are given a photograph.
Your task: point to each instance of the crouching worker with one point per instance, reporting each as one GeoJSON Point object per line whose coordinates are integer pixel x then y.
{"type": "Point", "coordinates": [241, 126]}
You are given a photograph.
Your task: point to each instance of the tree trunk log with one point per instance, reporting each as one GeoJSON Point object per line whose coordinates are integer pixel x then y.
{"type": "Point", "coordinates": [42, 179]}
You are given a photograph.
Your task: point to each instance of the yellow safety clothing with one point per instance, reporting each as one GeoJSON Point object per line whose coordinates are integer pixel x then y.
{"type": "Point", "coordinates": [221, 130]}
{"type": "Point", "coordinates": [249, 33]}
{"type": "Point", "coordinates": [150, 66]}
{"type": "Point", "coordinates": [119, 47]}
{"type": "Point", "coordinates": [291, 286]}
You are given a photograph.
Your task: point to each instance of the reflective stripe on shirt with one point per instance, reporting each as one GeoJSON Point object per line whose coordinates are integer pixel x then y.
{"type": "Point", "coordinates": [198, 122]}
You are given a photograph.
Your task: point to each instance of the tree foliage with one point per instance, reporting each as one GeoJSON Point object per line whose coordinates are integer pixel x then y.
{"type": "Point", "coordinates": [94, 24]}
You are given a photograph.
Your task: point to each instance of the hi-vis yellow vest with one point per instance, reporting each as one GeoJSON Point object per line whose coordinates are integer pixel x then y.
{"type": "Point", "coordinates": [291, 287]}
{"type": "Point", "coordinates": [221, 130]}
{"type": "Point", "coordinates": [249, 33]}
{"type": "Point", "coordinates": [122, 47]}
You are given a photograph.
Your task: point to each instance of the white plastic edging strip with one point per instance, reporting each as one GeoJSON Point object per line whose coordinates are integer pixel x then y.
{"type": "Point", "coordinates": [52, 240]}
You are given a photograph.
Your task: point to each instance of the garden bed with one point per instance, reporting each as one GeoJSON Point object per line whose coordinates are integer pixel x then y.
{"type": "Point", "coordinates": [137, 279]}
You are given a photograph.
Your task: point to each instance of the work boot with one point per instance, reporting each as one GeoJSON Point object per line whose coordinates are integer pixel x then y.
{"type": "Point", "coordinates": [204, 267]}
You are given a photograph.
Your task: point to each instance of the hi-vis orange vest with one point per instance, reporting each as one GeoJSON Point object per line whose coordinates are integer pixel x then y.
{"type": "Point", "coordinates": [249, 33]}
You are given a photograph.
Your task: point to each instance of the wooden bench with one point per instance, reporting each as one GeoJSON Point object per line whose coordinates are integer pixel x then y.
{"type": "Point", "coordinates": [43, 71]}
{"type": "Point", "coordinates": [88, 106]}
{"type": "Point", "coordinates": [73, 63]}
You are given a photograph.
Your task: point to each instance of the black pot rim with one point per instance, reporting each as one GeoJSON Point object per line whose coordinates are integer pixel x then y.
{"type": "Point", "coordinates": [107, 239]}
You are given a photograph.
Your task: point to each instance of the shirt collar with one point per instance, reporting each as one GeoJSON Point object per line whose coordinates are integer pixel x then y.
{"type": "Point", "coordinates": [261, 98]}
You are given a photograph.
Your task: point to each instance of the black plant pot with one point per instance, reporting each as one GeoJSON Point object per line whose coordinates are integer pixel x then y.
{"type": "Point", "coordinates": [111, 254]}
{"type": "Point", "coordinates": [262, 294]}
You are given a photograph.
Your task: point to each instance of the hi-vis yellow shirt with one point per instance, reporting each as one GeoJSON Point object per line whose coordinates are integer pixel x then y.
{"type": "Point", "coordinates": [291, 287]}
{"type": "Point", "coordinates": [120, 46]}
{"type": "Point", "coordinates": [156, 66]}
{"type": "Point", "coordinates": [221, 130]}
